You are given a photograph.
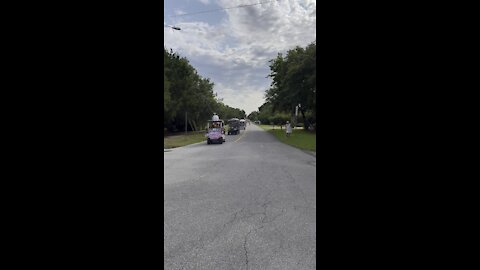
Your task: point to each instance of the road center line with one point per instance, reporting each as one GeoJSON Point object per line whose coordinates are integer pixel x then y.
{"type": "Point", "coordinates": [242, 135]}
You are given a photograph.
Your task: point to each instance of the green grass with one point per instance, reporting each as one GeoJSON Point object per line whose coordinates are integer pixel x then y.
{"type": "Point", "coordinates": [299, 138]}
{"type": "Point", "coordinates": [182, 140]}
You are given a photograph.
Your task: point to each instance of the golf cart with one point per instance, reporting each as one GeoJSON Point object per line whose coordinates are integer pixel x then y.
{"type": "Point", "coordinates": [243, 124]}
{"type": "Point", "coordinates": [233, 126]}
{"type": "Point", "coordinates": [216, 130]}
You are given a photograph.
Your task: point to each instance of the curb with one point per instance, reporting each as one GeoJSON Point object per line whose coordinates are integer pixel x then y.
{"type": "Point", "coordinates": [311, 153]}
{"type": "Point", "coordinates": [170, 149]}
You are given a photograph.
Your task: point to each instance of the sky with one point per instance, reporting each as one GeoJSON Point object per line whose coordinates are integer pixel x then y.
{"type": "Point", "coordinates": [232, 47]}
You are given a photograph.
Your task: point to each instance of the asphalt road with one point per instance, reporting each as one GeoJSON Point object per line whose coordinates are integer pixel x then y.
{"type": "Point", "coordinates": [248, 203]}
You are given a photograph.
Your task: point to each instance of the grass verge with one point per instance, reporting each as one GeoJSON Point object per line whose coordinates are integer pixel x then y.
{"type": "Point", "coordinates": [182, 140]}
{"type": "Point", "coordinates": [299, 138]}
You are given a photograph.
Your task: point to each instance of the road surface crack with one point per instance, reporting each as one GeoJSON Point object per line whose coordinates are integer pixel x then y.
{"type": "Point", "coordinates": [245, 248]}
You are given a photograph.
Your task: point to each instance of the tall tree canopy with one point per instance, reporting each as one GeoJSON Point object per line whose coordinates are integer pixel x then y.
{"type": "Point", "coordinates": [294, 81]}
{"type": "Point", "coordinates": [186, 92]}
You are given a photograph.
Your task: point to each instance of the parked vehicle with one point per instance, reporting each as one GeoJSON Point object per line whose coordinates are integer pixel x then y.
{"type": "Point", "coordinates": [233, 126]}
{"type": "Point", "coordinates": [215, 130]}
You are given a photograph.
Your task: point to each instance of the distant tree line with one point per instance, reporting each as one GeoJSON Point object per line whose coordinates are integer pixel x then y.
{"type": "Point", "coordinates": [293, 89]}
{"type": "Point", "coordinates": [187, 94]}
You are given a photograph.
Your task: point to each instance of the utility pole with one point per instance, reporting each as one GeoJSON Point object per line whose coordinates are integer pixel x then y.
{"type": "Point", "coordinates": [185, 122]}
{"type": "Point", "coordinates": [296, 114]}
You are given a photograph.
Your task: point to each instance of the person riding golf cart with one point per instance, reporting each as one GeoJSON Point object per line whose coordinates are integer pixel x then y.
{"type": "Point", "coordinates": [216, 130]}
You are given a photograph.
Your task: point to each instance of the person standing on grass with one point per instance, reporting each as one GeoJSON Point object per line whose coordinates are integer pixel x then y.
{"type": "Point", "coordinates": [288, 129]}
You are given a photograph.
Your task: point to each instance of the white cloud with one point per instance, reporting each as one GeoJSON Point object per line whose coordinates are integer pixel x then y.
{"type": "Point", "coordinates": [205, 2]}
{"type": "Point", "coordinates": [235, 52]}
{"type": "Point", "coordinates": [179, 12]}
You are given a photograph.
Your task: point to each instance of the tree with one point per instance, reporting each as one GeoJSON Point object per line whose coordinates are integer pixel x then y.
{"type": "Point", "coordinates": [294, 81]}
{"type": "Point", "coordinates": [253, 116]}
{"type": "Point", "coordinates": [166, 92]}
{"type": "Point", "coordinates": [186, 92]}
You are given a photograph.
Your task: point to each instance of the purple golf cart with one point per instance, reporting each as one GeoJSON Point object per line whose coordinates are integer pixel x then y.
{"type": "Point", "coordinates": [215, 131]}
